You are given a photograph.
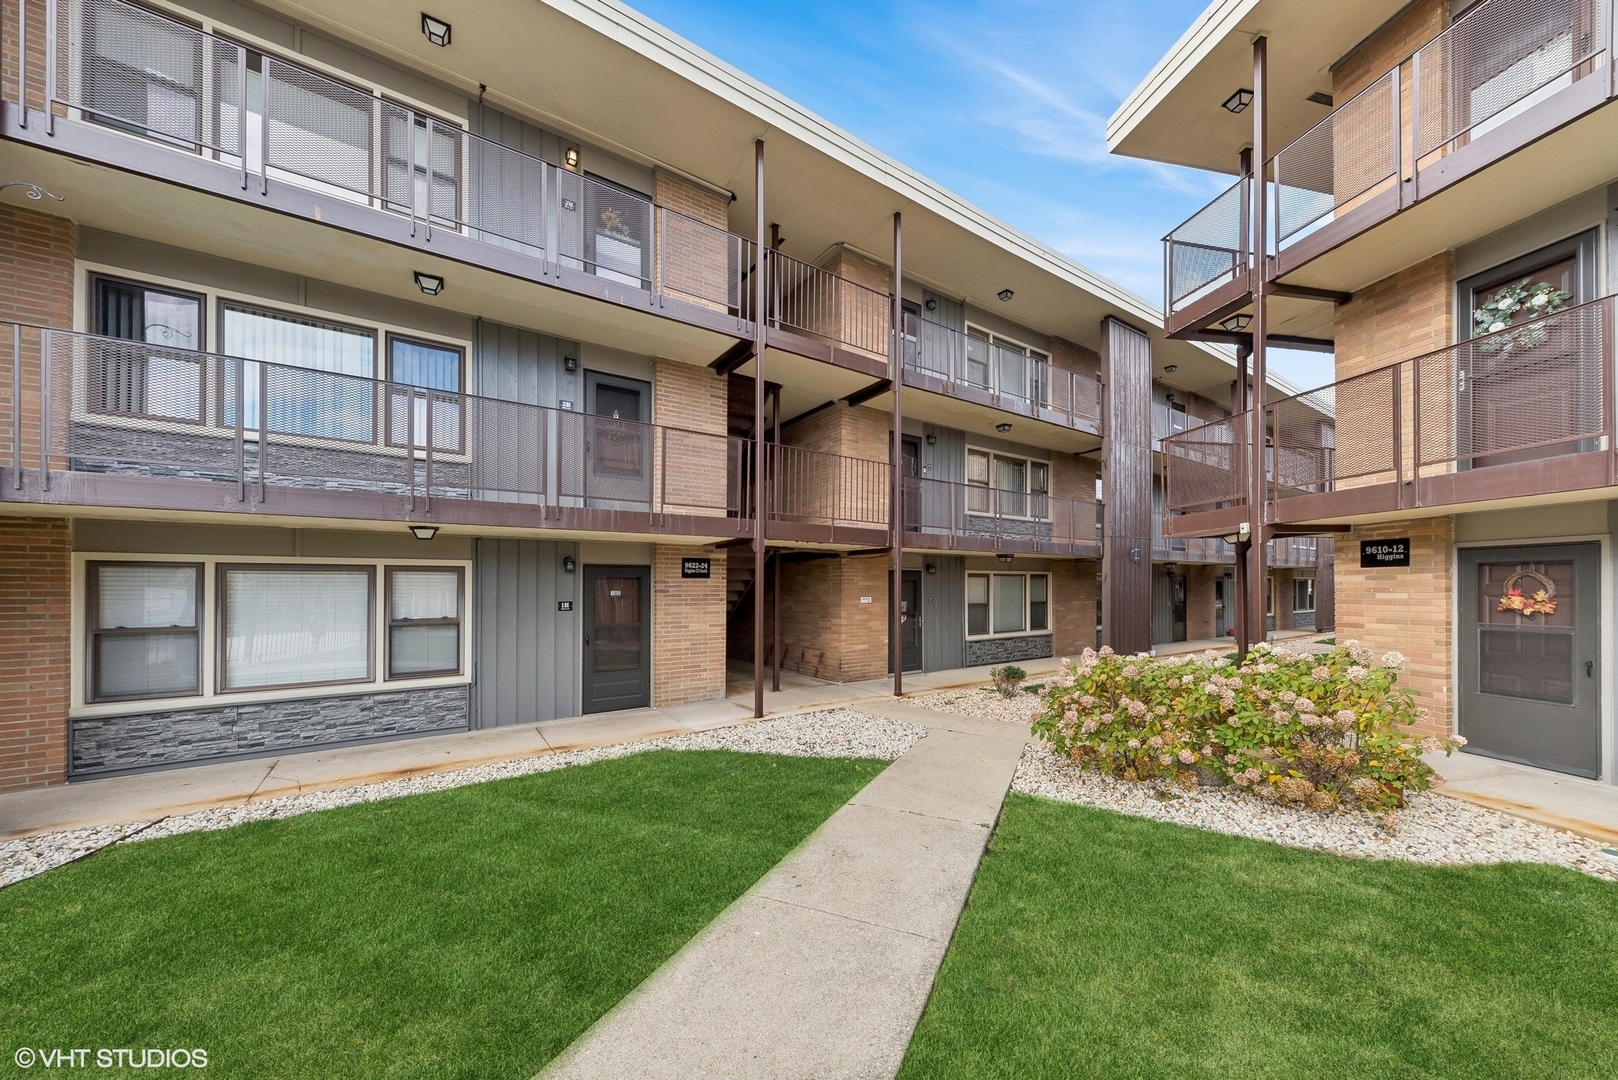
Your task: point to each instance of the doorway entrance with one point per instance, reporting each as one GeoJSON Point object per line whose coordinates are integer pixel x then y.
{"type": "Point", "coordinates": [1530, 681]}
{"type": "Point", "coordinates": [617, 638]}
{"type": "Point", "coordinates": [910, 620]}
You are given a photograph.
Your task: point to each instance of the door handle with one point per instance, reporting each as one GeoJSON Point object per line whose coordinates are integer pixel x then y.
{"type": "Point", "coordinates": [1589, 668]}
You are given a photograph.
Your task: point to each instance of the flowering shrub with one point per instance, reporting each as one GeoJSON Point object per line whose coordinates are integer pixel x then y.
{"type": "Point", "coordinates": [1315, 730]}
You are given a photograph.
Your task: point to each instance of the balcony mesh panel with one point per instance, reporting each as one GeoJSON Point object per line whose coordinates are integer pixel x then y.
{"type": "Point", "coordinates": [1337, 160]}
{"type": "Point", "coordinates": [1535, 390]}
{"type": "Point", "coordinates": [322, 129]}
{"type": "Point", "coordinates": [506, 194]}
{"type": "Point", "coordinates": [1211, 247]}
{"type": "Point", "coordinates": [1501, 58]}
{"type": "Point", "coordinates": [139, 70]}
{"type": "Point", "coordinates": [127, 406]}
{"type": "Point", "coordinates": [1303, 433]}
{"type": "Point", "coordinates": [701, 263]}
{"type": "Point", "coordinates": [445, 150]}
{"type": "Point", "coordinates": [1205, 467]}
{"type": "Point", "coordinates": [509, 443]}
{"type": "Point", "coordinates": [600, 459]}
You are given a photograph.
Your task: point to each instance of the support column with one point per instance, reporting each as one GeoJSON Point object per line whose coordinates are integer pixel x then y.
{"type": "Point", "coordinates": [1126, 470]}
{"type": "Point", "coordinates": [1257, 556]}
{"type": "Point", "coordinates": [760, 277]}
{"type": "Point", "coordinates": [897, 502]}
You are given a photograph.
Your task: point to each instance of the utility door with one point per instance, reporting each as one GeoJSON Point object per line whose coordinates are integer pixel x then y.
{"type": "Point", "coordinates": [1530, 668]}
{"type": "Point", "coordinates": [617, 638]}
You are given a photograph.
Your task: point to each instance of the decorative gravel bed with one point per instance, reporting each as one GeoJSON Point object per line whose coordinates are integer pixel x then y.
{"type": "Point", "coordinates": [839, 733]}
{"type": "Point", "coordinates": [1430, 829]}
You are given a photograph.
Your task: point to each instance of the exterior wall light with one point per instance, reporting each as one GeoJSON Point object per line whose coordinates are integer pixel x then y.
{"type": "Point", "coordinates": [932, 568]}
{"type": "Point", "coordinates": [1239, 101]}
{"type": "Point", "coordinates": [1170, 369]}
{"type": "Point", "coordinates": [932, 440]}
{"type": "Point", "coordinates": [570, 363]}
{"type": "Point", "coordinates": [1002, 428]}
{"type": "Point", "coordinates": [424, 532]}
{"type": "Point", "coordinates": [436, 30]}
{"type": "Point", "coordinates": [431, 284]}
{"type": "Point", "coordinates": [1006, 295]}
{"type": "Point", "coordinates": [570, 157]}
{"type": "Point", "coordinates": [1242, 532]}
{"type": "Point", "coordinates": [1004, 558]}
{"type": "Point", "coordinates": [932, 303]}
{"type": "Point", "coordinates": [568, 565]}
{"type": "Point", "coordinates": [1237, 323]}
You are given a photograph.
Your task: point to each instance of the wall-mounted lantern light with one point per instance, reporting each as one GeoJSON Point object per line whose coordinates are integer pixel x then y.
{"type": "Point", "coordinates": [570, 157]}
{"type": "Point", "coordinates": [436, 30]}
{"type": "Point", "coordinates": [568, 565]}
{"type": "Point", "coordinates": [932, 303]}
{"type": "Point", "coordinates": [932, 440]}
{"type": "Point", "coordinates": [570, 363]}
{"type": "Point", "coordinates": [932, 568]}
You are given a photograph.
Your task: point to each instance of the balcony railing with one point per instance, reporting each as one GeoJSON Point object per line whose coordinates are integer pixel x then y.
{"type": "Point", "coordinates": [1498, 60]}
{"type": "Point", "coordinates": [83, 403]}
{"type": "Point", "coordinates": [815, 488]}
{"type": "Point", "coordinates": [971, 516]}
{"type": "Point", "coordinates": [1010, 375]}
{"type": "Point", "coordinates": [812, 300]}
{"type": "Point", "coordinates": [1293, 551]}
{"type": "Point", "coordinates": [1534, 392]}
{"type": "Point", "coordinates": [129, 68]}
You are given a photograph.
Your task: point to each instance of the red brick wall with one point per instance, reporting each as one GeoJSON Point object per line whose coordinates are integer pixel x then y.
{"type": "Point", "coordinates": [35, 591]}
{"type": "Point", "coordinates": [688, 619]}
{"type": "Point", "coordinates": [825, 631]}
{"type": "Point", "coordinates": [1073, 606]}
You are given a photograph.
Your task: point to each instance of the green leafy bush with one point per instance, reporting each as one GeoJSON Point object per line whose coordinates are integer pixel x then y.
{"type": "Point", "coordinates": [1311, 729]}
{"type": "Point", "coordinates": [1008, 679]}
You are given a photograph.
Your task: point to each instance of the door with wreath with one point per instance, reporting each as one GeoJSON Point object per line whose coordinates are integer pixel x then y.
{"type": "Point", "coordinates": [1528, 383]}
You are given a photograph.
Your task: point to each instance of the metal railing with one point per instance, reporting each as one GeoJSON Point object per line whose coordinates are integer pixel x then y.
{"type": "Point", "coordinates": [812, 487]}
{"type": "Point", "coordinates": [1498, 60]}
{"type": "Point", "coordinates": [111, 405]}
{"type": "Point", "coordinates": [1208, 249]}
{"type": "Point", "coordinates": [1009, 374]}
{"type": "Point", "coordinates": [1294, 551]}
{"type": "Point", "coordinates": [812, 300]}
{"type": "Point", "coordinates": [1537, 390]}
{"type": "Point", "coordinates": [136, 70]}
{"type": "Point", "coordinates": [973, 516]}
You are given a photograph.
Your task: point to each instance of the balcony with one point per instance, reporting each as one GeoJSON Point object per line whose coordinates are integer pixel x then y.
{"type": "Point", "coordinates": [120, 85]}
{"type": "Point", "coordinates": [1504, 76]}
{"type": "Point", "coordinates": [129, 426]}
{"type": "Point", "coordinates": [947, 361]}
{"type": "Point", "coordinates": [1522, 413]}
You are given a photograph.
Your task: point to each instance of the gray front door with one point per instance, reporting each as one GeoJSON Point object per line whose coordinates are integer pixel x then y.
{"type": "Point", "coordinates": [617, 638]}
{"type": "Point", "coordinates": [1530, 681]}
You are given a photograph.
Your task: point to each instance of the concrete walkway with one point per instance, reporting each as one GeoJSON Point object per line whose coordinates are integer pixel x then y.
{"type": "Point", "coordinates": [823, 967]}
{"type": "Point", "coordinates": [1585, 807]}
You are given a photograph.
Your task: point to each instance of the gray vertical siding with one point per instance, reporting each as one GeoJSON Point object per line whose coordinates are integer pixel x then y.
{"type": "Point", "coordinates": [943, 601]}
{"type": "Point", "coordinates": [508, 130]}
{"type": "Point", "coordinates": [520, 365]}
{"type": "Point", "coordinates": [945, 459]}
{"type": "Point", "coordinates": [950, 313]}
{"type": "Point", "coordinates": [526, 651]}
{"type": "Point", "coordinates": [1162, 607]}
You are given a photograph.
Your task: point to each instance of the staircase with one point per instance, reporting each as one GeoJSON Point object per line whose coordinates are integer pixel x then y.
{"type": "Point", "coordinates": [738, 583]}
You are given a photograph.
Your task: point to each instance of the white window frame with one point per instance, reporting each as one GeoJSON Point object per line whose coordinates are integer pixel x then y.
{"type": "Point", "coordinates": [1028, 464]}
{"type": "Point", "coordinates": [212, 628]}
{"type": "Point", "coordinates": [1027, 603]}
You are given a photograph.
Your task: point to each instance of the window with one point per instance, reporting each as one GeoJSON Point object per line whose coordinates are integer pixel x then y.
{"type": "Point", "coordinates": [1007, 604]}
{"type": "Point", "coordinates": [424, 622]}
{"type": "Point", "coordinates": [294, 626]}
{"type": "Point", "coordinates": [430, 367]}
{"type": "Point", "coordinates": [143, 630]}
{"type": "Point", "coordinates": [1303, 594]}
{"type": "Point", "coordinates": [331, 398]}
{"type": "Point", "coordinates": [1006, 486]}
{"type": "Point", "coordinates": [164, 381]}
{"type": "Point", "coordinates": [1006, 366]}
{"type": "Point", "coordinates": [1177, 417]}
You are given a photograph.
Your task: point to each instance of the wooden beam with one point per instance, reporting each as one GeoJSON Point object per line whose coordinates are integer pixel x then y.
{"type": "Point", "coordinates": [733, 357]}
{"type": "Point", "coordinates": [860, 397]}
{"type": "Point", "coordinates": [1286, 341]}
{"type": "Point", "coordinates": [1305, 292]}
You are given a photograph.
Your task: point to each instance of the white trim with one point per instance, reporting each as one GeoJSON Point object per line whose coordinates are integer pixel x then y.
{"type": "Point", "coordinates": [208, 629]}
{"type": "Point", "coordinates": [1200, 38]}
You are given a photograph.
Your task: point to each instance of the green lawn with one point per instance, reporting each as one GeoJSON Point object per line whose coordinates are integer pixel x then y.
{"type": "Point", "coordinates": [1099, 945]}
{"type": "Point", "coordinates": [471, 932]}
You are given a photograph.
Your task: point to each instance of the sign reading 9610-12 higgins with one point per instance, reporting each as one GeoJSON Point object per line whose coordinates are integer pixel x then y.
{"type": "Point", "coordinates": [1391, 552]}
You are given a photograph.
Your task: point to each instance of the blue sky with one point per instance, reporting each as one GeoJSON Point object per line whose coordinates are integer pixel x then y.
{"type": "Point", "coordinates": [1006, 103]}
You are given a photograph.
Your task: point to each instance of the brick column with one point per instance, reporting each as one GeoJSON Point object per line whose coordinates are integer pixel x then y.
{"type": "Point", "coordinates": [688, 628]}
{"type": "Point", "coordinates": [35, 599]}
{"type": "Point", "coordinates": [1073, 606]}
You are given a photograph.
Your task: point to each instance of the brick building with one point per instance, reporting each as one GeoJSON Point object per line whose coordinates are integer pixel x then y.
{"type": "Point", "coordinates": [1438, 211]}
{"type": "Point", "coordinates": [365, 379]}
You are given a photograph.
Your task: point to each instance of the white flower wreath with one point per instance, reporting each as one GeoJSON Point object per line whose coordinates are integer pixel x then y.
{"type": "Point", "coordinates": [1514, 302]}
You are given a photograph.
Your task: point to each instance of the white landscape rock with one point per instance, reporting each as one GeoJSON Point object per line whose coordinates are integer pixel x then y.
{"type": "Point", "coordinates": [1431, 828]}
{"type": "Point", "coordinates": [834, 733]}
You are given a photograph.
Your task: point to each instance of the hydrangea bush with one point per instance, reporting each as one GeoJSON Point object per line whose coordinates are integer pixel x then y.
{"type": "Point", "coordinates": [1320, 730]}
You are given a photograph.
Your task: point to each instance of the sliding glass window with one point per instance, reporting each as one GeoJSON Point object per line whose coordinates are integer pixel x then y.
{"type": "Point", "coordinates": [318, 378]}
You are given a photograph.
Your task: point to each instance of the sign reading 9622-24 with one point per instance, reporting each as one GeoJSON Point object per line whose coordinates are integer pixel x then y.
{"type": "Point", "coordinates": [1391, 552]}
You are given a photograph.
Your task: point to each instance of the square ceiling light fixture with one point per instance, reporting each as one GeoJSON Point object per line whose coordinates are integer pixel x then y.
{"type": "Point", "coordinates": [431, 284]}
{"type": "Point", "coordinates": [1006, 295]}
{"type": "Point", "coordinates": [1239, 101]}
{"type": "Point", "coordinates": [1237, 323]}
{"type": "Point", "coordinates": [436, 30]}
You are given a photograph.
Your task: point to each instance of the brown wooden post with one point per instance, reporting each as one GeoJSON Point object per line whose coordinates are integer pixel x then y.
{"type": "Point", "coordinates": [1126, 470]}
{"type": "Point", "coordinates": [896, 501]}
{"type": "Point", "coordinates": [775, 605]}
{"type": "Point", "coordinates": [1257, 565]}
{"type": "Point", "coordinates": [759, 278]}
